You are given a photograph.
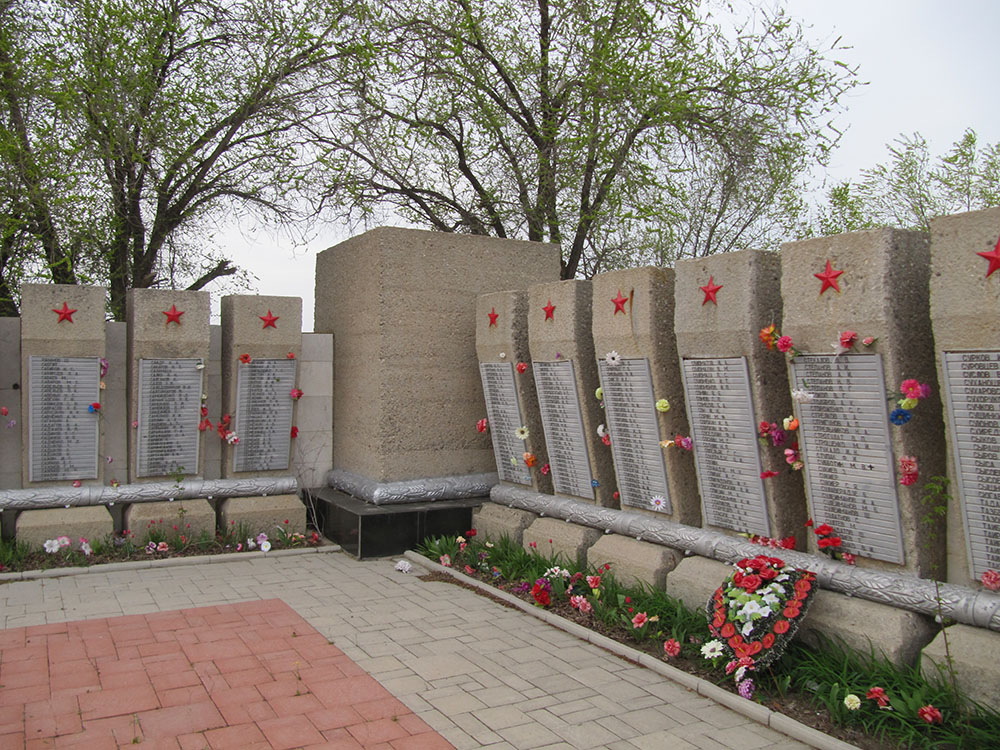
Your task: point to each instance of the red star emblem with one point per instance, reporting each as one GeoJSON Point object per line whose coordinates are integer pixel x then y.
{"type": "Point", "coordinates": [619, 303]}
{"type": "Point", "coordinates": [493, 314]}
{"type": "Point", "coordinates": [269, 320]}
{"type": "Point", "coordinates": [173, 315]}
{"type": "Point", "coordinates": [550, 311]}
{"type": "Point", "coordinates": [65, 314]}
{"type": "Point", "coordinates": [710, 289]}
{"type": "Point", "coordinates": [993, 257]}
{"type": "Point", "coordinates": [829, 278]}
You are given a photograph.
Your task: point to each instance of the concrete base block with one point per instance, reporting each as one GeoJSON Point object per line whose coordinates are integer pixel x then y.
{"type": "Point", "coordinates": [267, 514]}
{"type": "Point", "coordinates": [190, 517]}
{"type": "Point", "coordinates": [971, 649]}
{"type": "Point", "coordinates": [495, 521]}
{"type": "Point", "coordinates": [695, 579]}
{"type": "Point", "coordinates": [864, 626]}
{"type": "Point", "coordinates": [551, 537]}
{"type": "Point", "coordinates": [37, 526]}
{"type": "Point", "coordinates": [633, 561]}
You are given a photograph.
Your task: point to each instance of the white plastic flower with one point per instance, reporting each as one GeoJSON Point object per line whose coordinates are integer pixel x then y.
{"type": "Point", "coordinates": [521, 433]}
{"type": "Point", "coordinates": [52, 545]}
{"type": "Point", "coordinates": [713, 650]}
{"type": "Point", "coordinates": [601, 430]}
{"type": "Point", "coordinates": [852, 702]}
{"type": "Point", "coordinates": [658, 502]}
{"type": "Point", "coordinates": [613, 358]}
{"type": "Point", "coordinates": [86, 549]}
{"type": "Point", "coordinates": [403, 566]}
{"type": "Point", "coordinates": [265, 547]}
{"type": "Point", "coordinates": [802, 396]}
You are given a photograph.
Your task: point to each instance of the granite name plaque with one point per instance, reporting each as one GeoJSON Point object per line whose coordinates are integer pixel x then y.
{"type": "Point", "coordinates": [724, 432]}
{"type": "Point", "coordinates": [264, 414]}
{"type": "Point", "coordinates": [168, 416]}
{"type": "Point", "coordinates": [635, 434]}
{"type": "Point", "coordinates": [62, 432]}
{"type": "Point", "coordinates": [846, 448]}
{"type": "Point", "coordinates": [503, 408]}
{"type": "Point", "coordinates": [972, 389]}
{"type": "Point", "coordinates": [562, 421]}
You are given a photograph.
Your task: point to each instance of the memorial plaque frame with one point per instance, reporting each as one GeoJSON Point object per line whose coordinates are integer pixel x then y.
{"type": "Point", "coordinates": [562, 420]}
{"type": "Point", "coordinates": [981, 435]}
{"type": "Point", "coordinates": [711, 413]}
{"type": "Point", "coordinates": [264, 412]}
{"type": "Point", "coordinates": [68, 420]}
{"type": "Point", "coordinates": [831, 480]}
{"type": "Point", "coordinates": [183, 394]}
{"type": "Point", "coordinates": [503, 408]}
{"type": "Point", "coordinates": [637, 443]}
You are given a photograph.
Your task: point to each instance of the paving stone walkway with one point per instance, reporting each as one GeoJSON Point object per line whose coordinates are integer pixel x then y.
{"type": "Point", "coordinates": [480, 674]}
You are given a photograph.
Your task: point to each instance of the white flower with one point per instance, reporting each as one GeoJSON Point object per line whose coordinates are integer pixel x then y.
{"type": "Point", "coordinates": [521, 433]}
{"type": "Point", "coordinates": [838, 349]}
{"type": "Point", "coordinates": [802, 396]}
{"type": "Point", "coordinates": [200, 366]}
{"type": "Point", "coordinates": [404, 566]}
{"type": "Point", "coordinates": [713, 650]}
{"type": "Point", "coordinates": [265, 547]}
{"type": "Point", "coordinates": [251, 544]}
{"type": "Point", "coordinates": [852, 701]}
{"type": "Point", "coordinates": [747, 628]}
{"type": "Point", "coordinates": [658, 502]}
{"type": "Point", "coordinates": [739, 674]}
{"type": "Point", "coordinates": [601, 430]}
{"type": "Point", "coordinates": [613, 358]}
{"type": "Point", "coordinates": [86, 549]}
{"type": "Point", "coordinates": [503, 355]}
{"type": "Point", "coordinates": [459, 539]}
{"type": "Point", "coordinates": [489, 544]}
{"type": "Point", "coordinates": [52, 545]}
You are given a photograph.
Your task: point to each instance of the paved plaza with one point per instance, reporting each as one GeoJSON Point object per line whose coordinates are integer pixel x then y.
{"type": "Point", "coordinates": [480, 674]}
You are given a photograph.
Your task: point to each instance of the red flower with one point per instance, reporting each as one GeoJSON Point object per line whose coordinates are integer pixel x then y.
{"type": "Point", "coordinates": [930, 714]}
{"type": "Point", "coordinates": [831, 541]}
{"type": "Point", "coordinates": [823, 529]}
{"type": "Point", "coordinates": [205, 424]}
{"type": "Point", "coordinates": [204, 411]}
{"type": "Point", "coordinates": [768, 474]}
{"type": "Point", "coordinates": [470, 533]}
{"type": "Point", "coordinates": [751, 582]}
{"type": "Point", "coordinates": [522, 367]}
{"type": "Point", "coordinates": [290, 355]}
{"type": "Point", "coordinates": [296, 394]}
{"type": "Point", "coordinates": [295, 431]}
{"type": "Point", "coordinates": [847, 339]}
{"type": "Point", "coordinates": [878, 694]}
{"type": "Point", "coordinates": [546, 469]}
{"type": "Point", "coordinates": [788, 542]}
{"type": "Point", "coordinates": [767, 640]}
{"type": "Point", "coordinates": [671, 647]}
{"type": "Point", "coordinates": [245, 359]}
{"type": "Point", "coordinates": [809, 522]}
{"type": "Point", "coordinates": [791, 612]}
{"type": "Point", "coordinates": [768, 573]}
{"type": "Point", "coordinates": [530, 459]}
{"type": "Point", "coordinates": [728, 630]}
{"type": "Point", "coordinates": [781, 626]}
{"type": "Point", "coordinates": [991, 580]}
{"type": "Point", "coordinates": [784, 344]}
{"type": "Point", "coordinates": [482, 424]}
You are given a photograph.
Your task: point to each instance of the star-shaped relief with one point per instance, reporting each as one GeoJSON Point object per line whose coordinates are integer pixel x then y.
{"type": "Point", "coordinates": [993, 257]}
{"type": "Point", "coordinates": [493, 315]}
{"type": "Point", "coordinates": [619, 303]}
{"type": "Point", "coordinates": [64, 314]}
{"type": "Point", "coordinates": [829, 278]}
{"type": "Point", "coordinates": [550, 311]}
{"type": "Point", "coordinates": [710, 290]}
{"type": "Point", "coordinates": [269, 320]}
{"type": "Point", "coordinates": [173, 315]}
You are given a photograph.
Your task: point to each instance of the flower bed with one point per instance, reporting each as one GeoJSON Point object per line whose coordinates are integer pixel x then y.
{"type": "Point", "coordinates": [866, 701]}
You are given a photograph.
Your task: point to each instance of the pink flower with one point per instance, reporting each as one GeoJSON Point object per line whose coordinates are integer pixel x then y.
{"type": "Point", "coordinates": [991, 580]}
{"type": "Point", "coordinates": [469, 569]}
{"type": "Point", "coordinates": [639, 620]}
{"type": "Point", "coordinates": [546, 469]}
{"type": "Point", "coordinates": [848, 339]}
{"type": "Point", "coordinates": [594, 582]}
{"type": "Point", "coordinates": [930, 714]}
{"type": "Point", "coordinates": [671, 647]}
{"type": "Point", "coordinates": [482, 424]}
{"type": "Point", "coordinates": [908, 464]}
{"type": "Point", "coordinates": [768, 474]}
{"type": "Point", "coordinates": [878, 694]}
{"type": "Point", "coordinates": [577, 601]}
{"type": "Point", "coordinates": [162, 547]}
{"type": "Point", "coordinates": [908, 479]}
{"type": "Point", "coordinates": [445, 560]}
{"type": "Point", "coordinates": [296, 394]}
{"type": "Point", "coordinates": [784, 344]}
{"type": "Point", "coordinates": [77, 483]}
{"type": "Point", "coordinates": [868, 340]}
{"type": "Point", "coordinates": [585, 606]}
{"type": "Point", "coordinates": [910, 388]}
{"type": "Point", "coordinates": [848, 558]}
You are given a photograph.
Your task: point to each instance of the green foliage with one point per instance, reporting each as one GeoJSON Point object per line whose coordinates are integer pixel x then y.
{"type": "Point", "coordinates": [627, 133]}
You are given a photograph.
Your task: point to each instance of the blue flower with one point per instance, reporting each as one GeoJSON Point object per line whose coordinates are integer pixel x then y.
{"type": "Point", "coordinates": [900, 416]}
{"type": "Point", "coordinates": [594, 483]}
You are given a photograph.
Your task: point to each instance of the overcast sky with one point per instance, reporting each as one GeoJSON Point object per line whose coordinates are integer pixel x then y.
{"type": "Point", "coordinates": [931, 66]}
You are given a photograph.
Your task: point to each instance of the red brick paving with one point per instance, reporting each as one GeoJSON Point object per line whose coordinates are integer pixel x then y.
{"type": "Point", "coordinates": [252, 676]}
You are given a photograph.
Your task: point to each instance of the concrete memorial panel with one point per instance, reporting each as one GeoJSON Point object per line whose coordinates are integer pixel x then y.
{"type": "Point", "coordinates": [633, 326]}
{"type": "Point", "coordinates": [724, 433]}
{"type": "Point", "coordinates": [503, 410]}
{"type": "Point", "coordinates": [965, 307]}
{"type": "Point", "coordinates": [569, 454]}
{"type": "Point", "coordinates": [867, 394]}
{"type": "Point", "coordinates": [264, 410]}
{"type": "Point", "coordinates": [169, 411]}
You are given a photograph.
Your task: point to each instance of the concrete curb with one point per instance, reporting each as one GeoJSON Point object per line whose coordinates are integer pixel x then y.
{"type": "Point", "coordinates": [755, 711]}
{"type": "Point", "coordinates": [169, 562]}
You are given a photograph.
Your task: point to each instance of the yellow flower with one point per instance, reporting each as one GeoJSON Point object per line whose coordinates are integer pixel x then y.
{"type": "Point", "coordinates": [908, 403]}
{"type": "Point", "coordinates": [599, 393]}
{"type": "Point", "coordinates": [666, 443]}
{"type": "Point", "coordinates": [663, 405]}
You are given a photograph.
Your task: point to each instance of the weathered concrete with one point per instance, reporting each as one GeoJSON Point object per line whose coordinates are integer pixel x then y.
{"type": "Point", "coordinates": [37, 526]}
{"type": "Point", "coordinates": [401, 306]}
{"type": "Point", "coordinates": [188, 517]}
{"type": "Point", "coordinates": [972, 652]}
{"type": "Point", "coordinates": [285, 513]}
{"type": "Point", "coordinates": [634, 562]}
{"type": "Point", "coordinates": [550, 537]}
{"type": "Point", "coordinates": [495, 521]}
{"type": "Point", "coordinates": [695, 579]}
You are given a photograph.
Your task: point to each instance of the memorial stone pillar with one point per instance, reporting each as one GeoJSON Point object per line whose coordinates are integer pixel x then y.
{"type": "Point", "coordinates": [62, 347]}
{"type": "Point", "coordinates": [965, 308]}
{"type": "Point", "coordinates": [732, 384]}
{"type": "Point", "coordinates": [636, 352]}
{"type": "Point", "coordinates": [261, 346]}
{"type": "Point", "coordinates": [856, 316]}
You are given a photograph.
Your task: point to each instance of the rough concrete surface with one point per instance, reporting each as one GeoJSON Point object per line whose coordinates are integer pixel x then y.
{"type": "Point", "coordinates": [37, 526]}
{"type": "Point", "coordinates": [549, 537]}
